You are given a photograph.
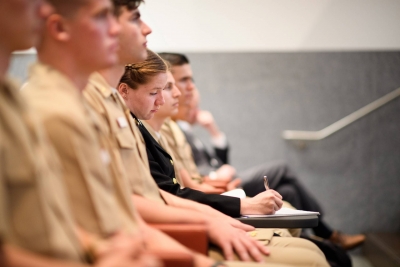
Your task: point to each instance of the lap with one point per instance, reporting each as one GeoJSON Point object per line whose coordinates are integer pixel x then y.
{"type": "Point", "coordinates": [293, 256]}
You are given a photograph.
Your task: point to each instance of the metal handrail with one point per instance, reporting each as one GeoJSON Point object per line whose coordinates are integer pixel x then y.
{"type": "Point", "coordinates": [340, 124]}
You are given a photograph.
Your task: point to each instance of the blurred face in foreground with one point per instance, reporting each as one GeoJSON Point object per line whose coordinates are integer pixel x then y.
{"type": "Point", "coordinates": [91, 34]}
{"type": "Point", "coordinates": [21, 22]}
{"type": "Point", "coordinates": [147, 99]}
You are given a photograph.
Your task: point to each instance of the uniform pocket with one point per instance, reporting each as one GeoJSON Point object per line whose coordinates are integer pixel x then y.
{"type": "Point", "coordinates": [126, 140]}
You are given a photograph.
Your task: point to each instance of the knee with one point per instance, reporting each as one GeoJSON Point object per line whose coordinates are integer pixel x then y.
{"type": "Point", "coordinates": [296, 242]}
{"type": "Point", "coordinates": [287, 191]}
{"type": "Point", "coordinates": [304, 243]}
{"type": "Point", "coordinates": [297, 256]}
{"type": "Point", "coordinates": [318, 259]}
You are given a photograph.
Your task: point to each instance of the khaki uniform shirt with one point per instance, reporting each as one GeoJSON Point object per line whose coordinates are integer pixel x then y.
{"type": "Point", "coordinates": [182, 152]}
{"type": "Point", "coordinates": [98, 201]}
{"type": "Point", "coordinates": [130, 149]}
{"type": "Point", "coordinates": [180, 148]}
{"type": "Point", "coordinates": [34, 211]}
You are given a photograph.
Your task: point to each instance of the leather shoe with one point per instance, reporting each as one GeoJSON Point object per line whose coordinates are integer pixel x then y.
{"type": "Point", "coordinates": [347, 241]}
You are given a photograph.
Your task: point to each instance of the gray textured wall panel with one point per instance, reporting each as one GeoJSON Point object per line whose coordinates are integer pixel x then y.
{"type": "Point", "coordinates": [355, 173]}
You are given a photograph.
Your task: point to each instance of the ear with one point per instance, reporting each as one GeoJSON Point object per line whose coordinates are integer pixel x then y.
{"type": "Point", "coordinates": [123, 90]}
{"type": "Point", "coordinates": [58, 28]}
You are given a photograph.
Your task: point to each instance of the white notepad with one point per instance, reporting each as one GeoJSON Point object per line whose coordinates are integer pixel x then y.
{"type": "Point", "coordinates": [239, 193]}
{"type": "Point", "coordinates": [283, 212]}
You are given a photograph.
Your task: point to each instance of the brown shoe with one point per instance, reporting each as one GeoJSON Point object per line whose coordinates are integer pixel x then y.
{"type": "Point", "coordinates": [347, 241]}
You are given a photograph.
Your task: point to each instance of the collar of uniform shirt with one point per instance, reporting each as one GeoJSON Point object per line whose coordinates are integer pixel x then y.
{"type": "Point", "coordinates": [115, 91]}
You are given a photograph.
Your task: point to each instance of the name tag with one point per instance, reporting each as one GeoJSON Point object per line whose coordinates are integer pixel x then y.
{"type": "Point", "coordinates": [122, 122]}
{"type": "Point", "coordinates": [105, 157]}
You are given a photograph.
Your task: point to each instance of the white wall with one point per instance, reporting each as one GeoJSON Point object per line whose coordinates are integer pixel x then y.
{"type": "Point", "coordinates": [272, 25]}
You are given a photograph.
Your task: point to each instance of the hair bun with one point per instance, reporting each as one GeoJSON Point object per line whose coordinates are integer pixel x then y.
{"type": "Point", "coordinates": [130, 67]}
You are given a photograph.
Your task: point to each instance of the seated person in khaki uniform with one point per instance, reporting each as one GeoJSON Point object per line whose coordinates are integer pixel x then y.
{"type": "Point", "coordinates": [281, 177]}
{"type": "Point", "coordinates": [144, 101]}
{"type": "Point", "coordinates": [36, 226]}
{"type": "Point", "coordinates": [128, 142]}
{"type": "Point", "coordinates": [173, 140]}
{"type": "Point", "coordinates": [78, 40]}
{"type": "Point", "coordinates": [162, 168]}
{"type": "Point", "coordinates": [124, 131]}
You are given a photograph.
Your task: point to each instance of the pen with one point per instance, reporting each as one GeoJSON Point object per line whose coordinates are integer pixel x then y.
{"type": "Point", "coordinates": [266, 183]}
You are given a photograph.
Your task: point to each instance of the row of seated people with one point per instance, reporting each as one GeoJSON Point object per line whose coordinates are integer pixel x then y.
{"type": "Point", "coordinates": [207, 172]}
{"type": "Point", "coordinates": [81, 177]}
{"type": "Point", "coordinates": [167, 133]}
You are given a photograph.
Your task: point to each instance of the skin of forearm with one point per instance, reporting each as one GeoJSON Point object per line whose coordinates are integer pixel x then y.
{"type": "Point", "coordinates": [210, 125]}
{"type": "Point", "coordinates": [155, 240]}
{"type": "Point", "coordinates": [253, 206]}
{"type": "Point", "coordinates": [247, 207]}
{"type": "Point", "coordinates": [213, 130]}
{"type": "Point", "coordinates": [12, 256]}
{"type": "Point", "coordinates": [178, 202]}
{"type": "Point", "coordinates": [187, 180]}
{"type": "Point", "coordinates": [166, 214]}
{"type": "Point", "coordinates": [158, 241]}
{"type": "Point", "coordinates": [210, 213]}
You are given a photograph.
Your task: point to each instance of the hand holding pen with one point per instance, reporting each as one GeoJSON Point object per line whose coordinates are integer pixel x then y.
{"type": "Point", "coordinates": [266, 184]}
{"type": "Point", "coordinates": [267, 202]}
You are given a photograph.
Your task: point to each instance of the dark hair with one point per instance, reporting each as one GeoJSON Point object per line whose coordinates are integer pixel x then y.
{"type": "Point", "coordinates": [129, 4]}
{"type": "Point", "coordinates": [175, 59]}
{"type": "Point", "coordinates": [139, 73]}
{"type": "Point", "coordinates": [67, 7]}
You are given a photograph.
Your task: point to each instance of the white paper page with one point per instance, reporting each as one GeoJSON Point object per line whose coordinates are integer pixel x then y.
{"type": "Point", "coordinates": [283, 212]}
{"type": "Point", "coordinates": [239, 193]}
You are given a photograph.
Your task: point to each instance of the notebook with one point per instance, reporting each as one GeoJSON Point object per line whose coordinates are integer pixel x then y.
{"type": "Point", "coordinates": [283, 212]}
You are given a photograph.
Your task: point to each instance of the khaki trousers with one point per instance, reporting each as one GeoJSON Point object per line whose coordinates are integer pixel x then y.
{"type": "Point", "coordinates": [285, 250]}
{"type": "Point", "coordinates": [266, 236]}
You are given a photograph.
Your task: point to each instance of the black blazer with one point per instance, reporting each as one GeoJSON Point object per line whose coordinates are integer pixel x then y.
{"type": "Point", "coordinates": [162, 170]}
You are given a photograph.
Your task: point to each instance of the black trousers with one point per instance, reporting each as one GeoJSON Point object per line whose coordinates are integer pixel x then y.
{"type": "Point", "coordinates": [282, 179]}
